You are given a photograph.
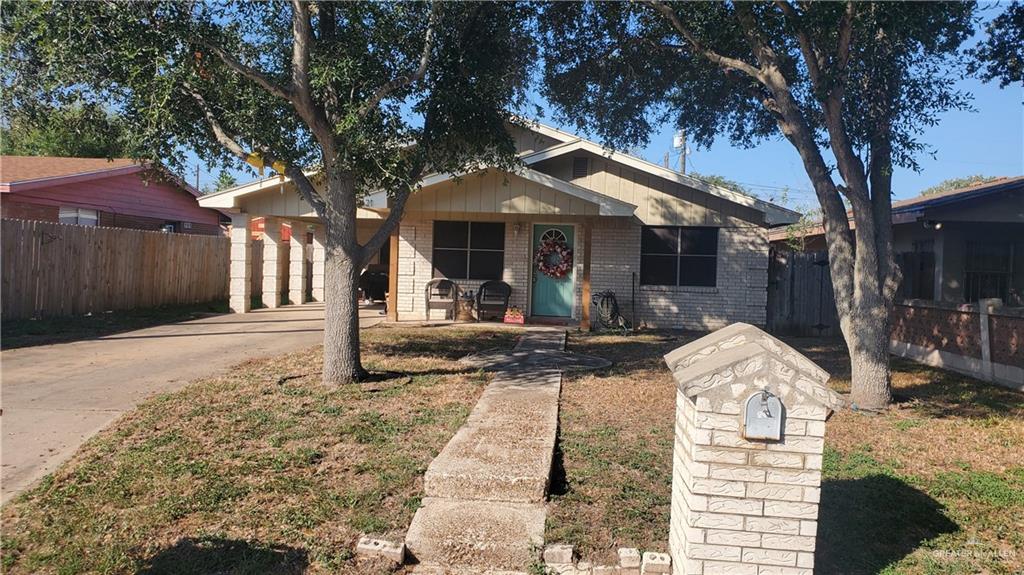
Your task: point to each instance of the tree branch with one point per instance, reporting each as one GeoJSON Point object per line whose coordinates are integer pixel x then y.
{"type": "Point", "coordinates": [714, 57]}
{"type": "Point", "coordinates": [305, 187]}
{"type": "Point", "coordinates": [811, 55]}
{"type": "Point", "coordinates": [314, 116]}
{"type": "Point", "coordinates": [402, 81]}
{"type": "Point", "coordinates": [249, 72]}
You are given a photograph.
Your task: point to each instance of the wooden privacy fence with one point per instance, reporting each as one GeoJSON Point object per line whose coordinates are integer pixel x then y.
{"type": "Point", "coordinates": [800, 297]}
{"type": "Point", "coordinates": [52, 269]}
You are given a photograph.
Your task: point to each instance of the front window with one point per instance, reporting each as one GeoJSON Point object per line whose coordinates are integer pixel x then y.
{"type": "Point", "coordinates": [79, 216]}
{"type": "Point", "coordinates": [469, 250]}
{"type": "Point", "coordinates": [988, 270]}
{"type": "Point", "coordinates": [678, 256]}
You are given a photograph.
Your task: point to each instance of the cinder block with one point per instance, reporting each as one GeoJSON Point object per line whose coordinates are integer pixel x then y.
{"type": "Point", "coordinates": [381, 548]}
{"type": "Point", "coordinates": [629, 557]}
{"type": "Point", "coordinates": [655, 563]}
{"type": "Point", "coordinates": [558, 553]}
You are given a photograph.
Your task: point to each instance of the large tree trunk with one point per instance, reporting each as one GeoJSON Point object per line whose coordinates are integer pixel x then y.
{"type": "Point", "coordinates": [342, 362]}
{"type": "Point", "coordinates": [868, 343]}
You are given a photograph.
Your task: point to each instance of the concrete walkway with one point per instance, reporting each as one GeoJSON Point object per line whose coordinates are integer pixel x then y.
{"type": "Point", "coordinates": [484, 508]}
{"type": "Point", "coordinates": [57, 396]}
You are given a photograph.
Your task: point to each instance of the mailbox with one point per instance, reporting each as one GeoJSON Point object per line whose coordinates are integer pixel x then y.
{"type": "Point", "coordinates": [762, 416]}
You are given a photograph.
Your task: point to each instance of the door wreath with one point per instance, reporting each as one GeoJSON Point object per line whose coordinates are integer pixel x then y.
{"type": "Point", "coordinates": [553, 258]}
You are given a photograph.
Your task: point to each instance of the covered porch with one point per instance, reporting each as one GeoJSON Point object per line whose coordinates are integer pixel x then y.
{"type": "Point", "coordinates": [471, 229]}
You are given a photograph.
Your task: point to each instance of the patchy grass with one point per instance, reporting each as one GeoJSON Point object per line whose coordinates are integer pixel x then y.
{"type": "Point", "coordinates": [31, 332]}
{"type": "Point", "coordinates": [263, 470]}
{"type": "Point", "coordinates": [933, 486]}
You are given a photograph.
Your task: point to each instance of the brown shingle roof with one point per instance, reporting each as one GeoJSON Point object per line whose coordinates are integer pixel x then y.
{"type": "Point", "coordinates": [26, 168]}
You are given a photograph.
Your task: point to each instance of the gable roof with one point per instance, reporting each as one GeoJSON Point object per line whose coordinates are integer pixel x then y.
{"type": "Point", "coordinates": [774, 214]}
{"type": "Point", "coordinates": [28, 172]}
{"type": "Point", "coordinates": [568, 143]}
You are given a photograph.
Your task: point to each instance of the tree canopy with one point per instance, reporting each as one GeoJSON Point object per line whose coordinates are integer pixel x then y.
{"type": "Point", "coordinates": [850, 85]}
{"type": "Point", "coordinates": [172, 67]}
{"type": "Point", "coordinates": [75, 130]}
{"type": "Point", "coordinates": [344, 98]}
{"type": "Point", "coordinates": [1000, 56]}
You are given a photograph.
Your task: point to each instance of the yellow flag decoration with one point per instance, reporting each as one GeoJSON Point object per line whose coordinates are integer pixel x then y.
{"type": "Point", "coordinates": [256, 161]}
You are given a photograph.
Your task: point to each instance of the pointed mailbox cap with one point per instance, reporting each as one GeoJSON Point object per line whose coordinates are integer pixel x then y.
{"type": "Point", "coordinates": [730, 363]}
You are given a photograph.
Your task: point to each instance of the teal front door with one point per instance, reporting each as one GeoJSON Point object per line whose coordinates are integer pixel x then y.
{"type": "Point", "coordinates": [552, 296]}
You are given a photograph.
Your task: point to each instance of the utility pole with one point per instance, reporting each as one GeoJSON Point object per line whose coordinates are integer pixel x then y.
{"type": "Point", "coordinates": [197, 175]}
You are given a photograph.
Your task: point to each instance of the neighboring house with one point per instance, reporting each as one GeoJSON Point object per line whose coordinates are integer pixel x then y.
{"type": "Point", "coordinates": [957, 246]}
{"type": "Point", "coordinates": [678, 252]}
{"type": "Point", "coordinates": [118, 193]}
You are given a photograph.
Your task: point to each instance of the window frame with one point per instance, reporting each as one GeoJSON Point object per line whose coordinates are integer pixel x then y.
{"type": "Point", "coordinates": [680, 258]}
{"type": "Point", "coordinates": [978, 277]}
{"type": "Point", "coordinates": [81, 218]}
{"type": "Point", "coordinates": [469, 252]}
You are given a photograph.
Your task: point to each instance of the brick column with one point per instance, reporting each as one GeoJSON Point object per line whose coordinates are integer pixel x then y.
{"type": "Point", "coordinates": [240, 288]}
{"type": "Point", "coordinates": [743, 504]}
{"type": "Point", "coordinates": [297, 282]}
{"type": "Point", "coordinates": [319, 257]}
{"type": "Point", "coordinates": [273, 279]}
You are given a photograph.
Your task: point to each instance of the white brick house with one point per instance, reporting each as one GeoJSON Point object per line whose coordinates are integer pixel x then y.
{"type": "Point", "coordinates": [677, 251]}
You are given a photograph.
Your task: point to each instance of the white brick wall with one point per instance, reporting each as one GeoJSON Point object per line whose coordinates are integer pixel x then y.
{"type": "Point", "coordinates": [739, 296]}
{"type": "Point", "coordinates": [740, 293]}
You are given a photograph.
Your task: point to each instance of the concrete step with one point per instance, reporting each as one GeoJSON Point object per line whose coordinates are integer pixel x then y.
{"type": "Point", "coordinates": [475, 536]}
{"type": "Point", "coordinates": [504, 451]}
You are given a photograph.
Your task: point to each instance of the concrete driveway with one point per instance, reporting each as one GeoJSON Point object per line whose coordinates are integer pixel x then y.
{"type": "Point", "coordinates": [57, 396]}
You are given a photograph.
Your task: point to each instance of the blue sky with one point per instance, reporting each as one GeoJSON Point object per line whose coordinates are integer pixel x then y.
{"type": "Point", "coordinates": [988, 141]}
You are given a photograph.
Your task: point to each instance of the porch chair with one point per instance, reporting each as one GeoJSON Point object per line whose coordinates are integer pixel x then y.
{"type": "Point", "coordinates": [443, 294]}
{"type": "Point", "coordinates": [492, 297]}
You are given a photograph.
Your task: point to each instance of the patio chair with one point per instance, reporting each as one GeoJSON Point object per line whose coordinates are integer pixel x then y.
{"type": "Point", "coordinates": [443, 294]}
{"type": "Point", "coordinates": [374, 285]}
{"type": "Point", "coordinates": [492, 297]}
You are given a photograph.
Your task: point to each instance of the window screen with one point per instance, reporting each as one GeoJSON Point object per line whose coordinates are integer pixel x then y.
{"type": "Point", "coordinates": [678, 256]}
{"type": "Point", "coordinates": [469, 250]}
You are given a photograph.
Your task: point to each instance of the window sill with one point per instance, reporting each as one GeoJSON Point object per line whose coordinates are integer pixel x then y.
{"type": "Point", "coordinates": [678, 289]}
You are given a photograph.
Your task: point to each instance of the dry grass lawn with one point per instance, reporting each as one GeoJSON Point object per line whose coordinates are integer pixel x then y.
{"type": "Point", "coordinates": [934, 486]}
{"type": "Point", "coordinates": [263, 470]}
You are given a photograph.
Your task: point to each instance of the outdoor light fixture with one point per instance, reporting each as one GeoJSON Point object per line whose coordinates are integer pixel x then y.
{"type": "Point", "coordinates": [932, 225]}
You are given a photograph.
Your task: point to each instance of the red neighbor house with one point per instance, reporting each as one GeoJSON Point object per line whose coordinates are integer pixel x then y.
{"type": "Point", "coordinates": [118, 193]}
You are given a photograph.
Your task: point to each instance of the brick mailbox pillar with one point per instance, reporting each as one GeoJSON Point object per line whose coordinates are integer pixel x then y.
{"type": "Point", "coordinates": [746, 474]}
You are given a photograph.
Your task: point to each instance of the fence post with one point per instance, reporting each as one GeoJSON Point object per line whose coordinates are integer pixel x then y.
{"type": "Point", "coordinates": [984, 308]}
{"type": "Point", "coordinates": [747, 456]}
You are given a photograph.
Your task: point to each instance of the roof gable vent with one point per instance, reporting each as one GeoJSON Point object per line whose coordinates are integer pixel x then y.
{"type": "Point", "coordinates": [580, 167]}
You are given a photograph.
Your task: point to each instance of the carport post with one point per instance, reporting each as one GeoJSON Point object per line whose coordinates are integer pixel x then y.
{"type": "Point", "coordinates": [240, 273]}
{"type": "Point", "coordinates": [319, 257]}
{"type": "Point", "coordinates": [297, 283]}
{"type": "Point", "coordinates": [273, 279]}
